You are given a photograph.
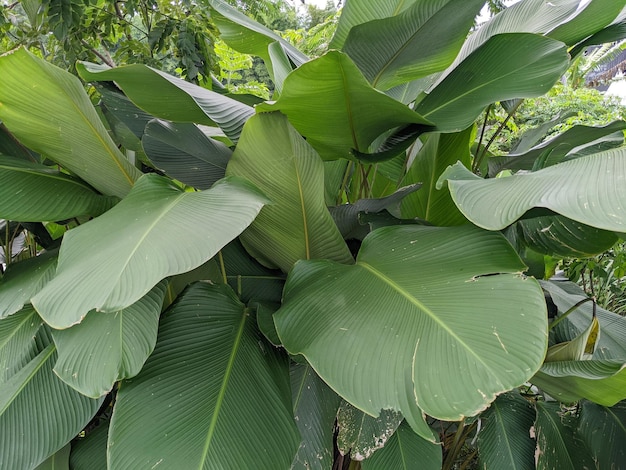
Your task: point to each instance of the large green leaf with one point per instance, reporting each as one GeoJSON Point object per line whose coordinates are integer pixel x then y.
{"type": "Point", "coordinates": [588, 189]}
{"type": "Point", "coordinates": [562, 237]}
{"type": "Point", "coordinates": [492, 73]}
{"type": "Point", "coordinates": [330, 102]}
{"type": "Point", "coordinates": [604, 431]}
{"type": "Point", "coordinates": [409, 325]}
{"type": "Point", "coordinates": [48, 110]}
{"type": "Point", "coordinates": [172, 98]}
{"type": "Point", "coordinates": [504, 440]}
{"type": "Point", "coordinates": [439, 151]}
{"type": "Point", "coordinates": [25, 279]}
{"type": "Point", "coordinates": [156, 231]}
{"type": "Point", "coordinates": [245, 35]}
{"type": "Point", "coordinates": [601, 381]}
{"type": "Point", "coordinates": [361, 435]}
{"type": "Point", "coordinates": [90, 452]}
{"type": "Point", "coordinates": [405, 450]}
{"type": "Point", "coordinates": [297, 225]}
{"type": "Point", "coordinates": [558, 147]}
{"type": "Point", "coordinates": [588, 20]}
{"type": "Point", "coordinates": [10, 146]}
{"type": "Point", "coordinates": [58, 461]}
{"type": "Point", "coordinates": [39, 413]}
{"type": "Point", "coordinates": [355, 13]}
{"type": "Point", "coordinates": [186, 153]}
{"type": "Point", "coordinates": [107, 347]}
{"type": "Point", "coordinates": [612, 341]}
{"type": "Point", "coordinates": [212, 395]}
{"type": "Point", "coordinates": [17, 346]}
{"type": "Point", "coordinates": [314, 409]}
{"type": "Point", "coordinates": [31, 192]}
{"type": "Point", "coordinates": [391, 51]}
{"type": "Point", "coordinates": [558, 444]}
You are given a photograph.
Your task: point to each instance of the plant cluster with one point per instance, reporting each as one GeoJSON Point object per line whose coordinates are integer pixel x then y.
{"type": "Point", "coordinates": [338, 277]}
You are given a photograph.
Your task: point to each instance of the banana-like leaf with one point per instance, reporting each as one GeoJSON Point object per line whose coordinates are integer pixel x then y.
{"type": "Point", "coordinates": [612, 33]}
{"type": "Point", "coordinates": [107, 347]}
{"type": "Point", "coordinates": [297, 225]}
{"type": "Point", "coordinates": [186, 153]}
{"type": "Point", "coordinates": [404, 450]}
{"type": "Point", "coordinates": [58, 461]}
{"type": "Point", "coordinates": [504, 440]}
{"type": "Point", "coordinates": [588, 189]}
{"type": "Point", "coordinates": [590, 19]}
{"type": "Point", "coordinates": [90, 452]}
{"type": "Point", "coordinates": [172, 98]}
{"type": "Point", "coordinates": [245, 35]}
{"type": "Point", "coordinates": [337, 117]}
{"type": "Point", "coordinates": [558, 147]}
{"type": "Point", "coordinates": [440, 151]}
{"type": "Point", "coordinates": [491, 73]}
{"type": "Point", "coordinates": [17, 346]}
{"type": "Point", "coordinates": [408, 325]}
{"type": "Point", "coordinates": [612, 342]}
{"type": "Point", "coordinates": [601, 381]}
{"type": "Point", "coordinates": [30, 192]}
{"type": "Point", "coordinates": [604, 432]}
{"type": "Point", "coordinates": [25, 279]}
{"type": "Point", "coordinates": [212, 395]}
{"type": "Point", "coordinates": [356, 13]}
{"type": "Point", "coordinates": [11, 147]}
{"type": "Point", "coordinates": [281, 66]}
{"type": "Point", "coordinates": [580, 348]}
{"type": "Point", "coordinates": [562, 237]}
{"type": "Point", "coordinates": [34, 90]}
{"type": "Point", "coordinates": [392, 51]}
{"type": "Point", "coordinates": [558, 443]}
{"type": "Point", "coordinates": [361, 435]}
{"type": "Point", "coordinates": [156, 231]}
{"type": "Point", "coordinates": [314, 408]}
{"type": "Point", "coordinates": [32, 392]}
{"type": "Point", "coordinates": [122, 108]}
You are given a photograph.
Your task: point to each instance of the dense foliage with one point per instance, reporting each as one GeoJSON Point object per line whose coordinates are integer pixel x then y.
{"type": "Point", "coordinates": [341, 276]}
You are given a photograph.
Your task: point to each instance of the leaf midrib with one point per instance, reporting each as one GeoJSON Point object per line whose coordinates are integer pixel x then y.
{"type": "Point", "coordinates": [220, 398]}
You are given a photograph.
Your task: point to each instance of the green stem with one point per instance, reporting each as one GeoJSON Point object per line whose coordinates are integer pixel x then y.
{"type": "Point", "coordinates": [571, 309]}
{"type": "Point", "coordinates": [344, 183]}
{"type": "Point", "coordinates": [451, 457]}
{"type": "Point", "coordinates": [222, 267]}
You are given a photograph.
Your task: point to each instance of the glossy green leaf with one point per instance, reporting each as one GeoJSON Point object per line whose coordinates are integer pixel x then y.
{"type": "Point", "coordinates": [558, 444]}
{"type": "Point", "coordinates": [34, 90]}
{"type": "Point", "coordinates": [439, 151]}
{"type": "Point", "coordinates": [612, 341]}
{"type": "Point", "coordinates": [296, 225]}
{"type": "Point", "coordinates": [562, 237]}
{"type": "Point", "coordinates": [185, 153]}
{"type": "Point", "coordinates": [355, 13]}
{"type": "Point", "coordinates": [491, 73]}
{"type": "Point", "coordinates": [405, 450]}
{"type": "Point", "coordinates": [25, 279]}
{"type": "Point", "coordinates": [212, 395]}
{"type": "Point", "coordinates": [588, 190]}
{"type": "Point", "coordinates": [612, 33]}
{"type": "Point", "coordinates": [386, 335]}
{"type": "Point", "coordinates": [361, 435]}
{"type": "Point", "coordinates": [17, 346]}
{"type": "Point", "coordinates": [281, 66]}
{"type": "Point", "coordinates": [172, 98]}
{"type": "Point", "coordinates": [33, 392]}
{"type": "Point", "coordinates": [90, 452]}
{"type": "Point", "coordinates": [558, 147]}
{"type": "Point", "coordinates": [31, 192]}
{"type": "Point", "coordinates": [314, 408]}
{"type": "Point", "coordinates": [245, 35]}
{"type": "Point", "coordinates": [107, 347]}
{"type": "Point", "coordinates": [504, 440]}
{"type": "Point", "coordinates": [156, 231]}
{"type": "Point", "coordinates": [604, 431]}
{"type": "Point", "coordinates": [391, 51]}
{"type": "Point", "coordinates": [330, 102]}
{"type": "Point", "coordinates": [588, 20]}
{"type": "Point", "coordinates": [601, 381]}
{"type": "Point", "coordinates": [59, 461]}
